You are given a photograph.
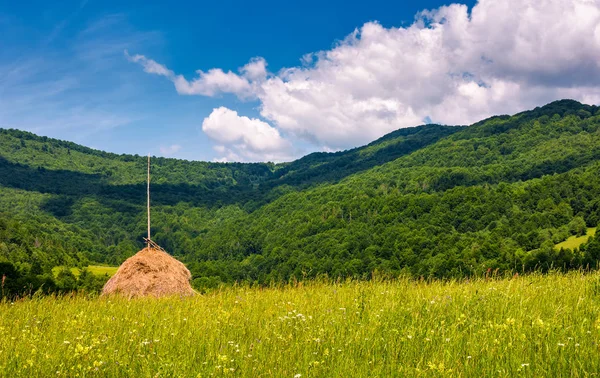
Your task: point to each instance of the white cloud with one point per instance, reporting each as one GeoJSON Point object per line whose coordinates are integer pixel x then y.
{"type": "Point", "coordinates": [170, 150]}
{"type": "Point", "coordinates": [150, 66]}
{"type": "Point", "coordinates": [255, 70]}
{"type": "Point", "coordinates": [243, 138]}
{"type": "Point", "coordinates": [451, 66]}
{"type": "Point", "coordinates": [213, 82]}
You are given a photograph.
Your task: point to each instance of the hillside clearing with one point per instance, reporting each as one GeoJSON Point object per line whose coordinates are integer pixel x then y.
{"type": "Point", "coordinates": [98, 270]}
{"type": "Point", "coordinates": [575, 241]}
{"type": "Point", "coordinates": [532, 325]}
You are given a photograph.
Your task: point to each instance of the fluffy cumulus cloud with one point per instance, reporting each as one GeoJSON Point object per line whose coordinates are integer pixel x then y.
{"type": "Point", "coordinates": [452, 66]}
{"type": "Point", "coordinates": [243, 138]}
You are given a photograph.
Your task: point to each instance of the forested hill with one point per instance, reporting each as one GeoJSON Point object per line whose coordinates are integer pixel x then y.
{"type": "Point", "coordinates": [425, 201]}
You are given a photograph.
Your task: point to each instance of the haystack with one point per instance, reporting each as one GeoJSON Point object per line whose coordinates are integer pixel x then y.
{"type": "Point", "coordinates": [150, 272]}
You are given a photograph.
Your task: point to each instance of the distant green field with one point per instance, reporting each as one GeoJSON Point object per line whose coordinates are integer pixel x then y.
{"type": "Point", "coordinates": [98, 270]}
{"type": "Point", "coordinates": [575, 241]}
{"type": "Point", "coordinates": [101, 270]}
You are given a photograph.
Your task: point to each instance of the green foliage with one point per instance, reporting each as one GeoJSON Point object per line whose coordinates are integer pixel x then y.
{"type": "Point", "coordinates": [430, 201]}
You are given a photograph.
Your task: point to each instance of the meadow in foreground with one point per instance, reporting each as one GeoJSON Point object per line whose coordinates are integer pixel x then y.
{"type": "Point", "coordinates": [537, 325]}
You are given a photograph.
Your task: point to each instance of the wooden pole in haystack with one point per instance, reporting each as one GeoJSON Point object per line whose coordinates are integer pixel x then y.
{"type": "Point", "coordinates": [151, 271]}
{"type": "Point", "coordinates": [149, 243]}
{"type": "Point", "coordinates": [148, 193]}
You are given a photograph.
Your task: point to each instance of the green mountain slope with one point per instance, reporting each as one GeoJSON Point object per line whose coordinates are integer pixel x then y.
{"type": "Point", "coordinates": [425, 201]}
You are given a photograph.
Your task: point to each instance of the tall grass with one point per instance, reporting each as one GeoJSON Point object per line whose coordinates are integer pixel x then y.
{"type": "Point", "coordinates": [530, 326]}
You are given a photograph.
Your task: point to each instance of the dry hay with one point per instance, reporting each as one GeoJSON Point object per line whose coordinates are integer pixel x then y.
{"type": "Point", "coordinates": [150, 272]}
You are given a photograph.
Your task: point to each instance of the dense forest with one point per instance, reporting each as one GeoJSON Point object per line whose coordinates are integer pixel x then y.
{"type": "Point", "coordinates": [429, 201]}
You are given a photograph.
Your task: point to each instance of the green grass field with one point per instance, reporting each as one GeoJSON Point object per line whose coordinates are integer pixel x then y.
{"type": "Point", "coordinates": [98, 270]}
{"type": "Point", "coordinates": [575, 241]}
{"type": "Point", "coordinates": [101, 270]}
{"type": "Point", "coordinates": [534, 326]}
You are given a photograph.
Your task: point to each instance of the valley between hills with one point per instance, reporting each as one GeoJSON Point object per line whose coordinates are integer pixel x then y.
{"type": "Point", "coordinates": [424, 202]}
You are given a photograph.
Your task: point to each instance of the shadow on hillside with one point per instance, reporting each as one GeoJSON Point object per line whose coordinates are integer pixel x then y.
{"type": "Point", "coordinates": [62, 182]}
{"type": "Point", "coordinates": [70, 186]}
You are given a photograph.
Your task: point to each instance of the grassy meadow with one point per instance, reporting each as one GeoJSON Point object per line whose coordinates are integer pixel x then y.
{"type": "Point", "coordinates": [98, 270]}
{"type": "Point", "coordinates": [533, 326]}
{"type": "Point", "coordinates": [575, 241]}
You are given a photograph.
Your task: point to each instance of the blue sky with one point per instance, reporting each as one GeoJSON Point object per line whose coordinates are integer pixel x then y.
{"type": "Point", "coordinates": [122, 76]}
